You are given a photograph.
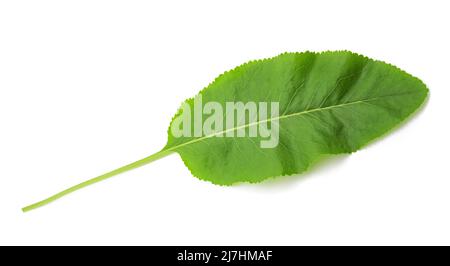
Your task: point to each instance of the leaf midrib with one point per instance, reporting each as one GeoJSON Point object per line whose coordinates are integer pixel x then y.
{"type": "Point", "coordinates": [281, 117]}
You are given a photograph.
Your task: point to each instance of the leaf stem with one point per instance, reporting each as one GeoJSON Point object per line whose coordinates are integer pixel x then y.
{"type": "Point", "coordinates": [94, 180]}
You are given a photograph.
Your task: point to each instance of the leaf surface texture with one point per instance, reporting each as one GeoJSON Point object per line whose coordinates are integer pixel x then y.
{"type": "Point", "coordinates": [330, 103]}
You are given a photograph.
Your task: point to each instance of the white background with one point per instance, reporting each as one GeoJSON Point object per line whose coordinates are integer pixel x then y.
{"type": "Point", "coordinates": [88, 86]}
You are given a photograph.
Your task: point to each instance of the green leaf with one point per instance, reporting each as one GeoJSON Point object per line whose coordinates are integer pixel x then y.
{"type": "Point", "coordinates": [329, 103]}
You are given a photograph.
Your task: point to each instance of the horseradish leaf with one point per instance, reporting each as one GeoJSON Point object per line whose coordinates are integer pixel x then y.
{"type": "Point", "coordinates": [275, 117]}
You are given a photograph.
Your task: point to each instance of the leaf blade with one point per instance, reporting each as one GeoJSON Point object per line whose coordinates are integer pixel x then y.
{"type": "Point", "coordinates": [322, 86]}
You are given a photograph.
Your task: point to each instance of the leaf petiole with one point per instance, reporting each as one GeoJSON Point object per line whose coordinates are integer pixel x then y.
{"type": "Point", "coordinates": [94, 180]}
